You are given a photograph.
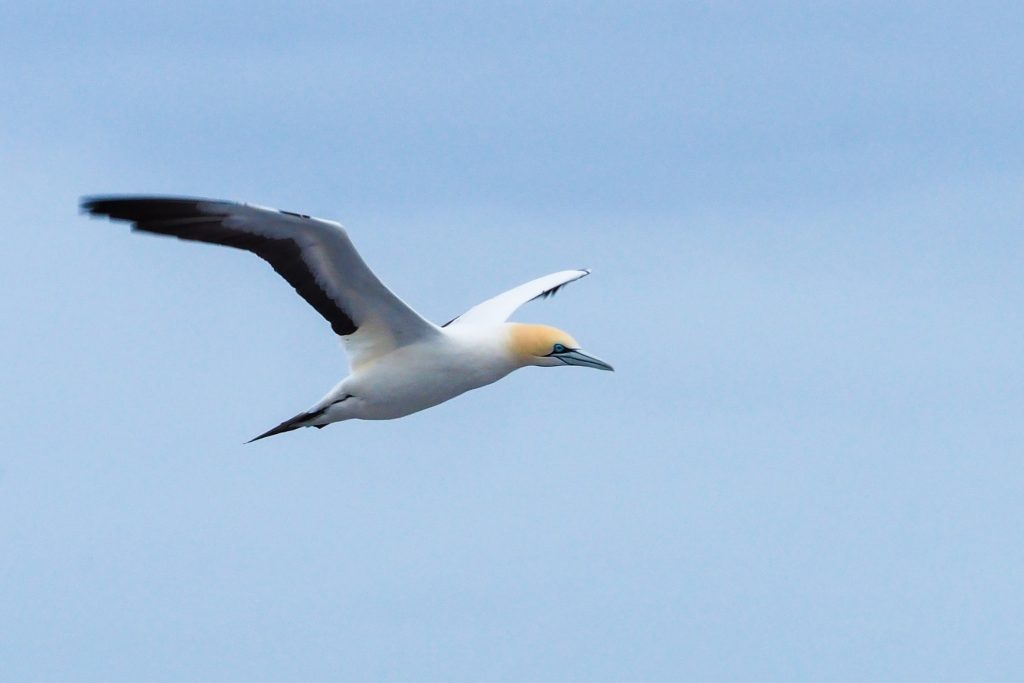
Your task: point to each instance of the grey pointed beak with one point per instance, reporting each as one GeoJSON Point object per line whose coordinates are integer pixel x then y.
{"type": "Point", "coordinates": [577, 357]}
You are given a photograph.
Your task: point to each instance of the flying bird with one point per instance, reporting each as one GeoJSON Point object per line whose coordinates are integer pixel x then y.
{"type": "Point", "coordinates": [400, 362]}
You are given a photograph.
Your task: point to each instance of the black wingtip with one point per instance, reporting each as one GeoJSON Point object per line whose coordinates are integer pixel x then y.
{"type": "Point", "coordinates": [142, 207]}
{"type": "Point", "coordinates": [92, 205]}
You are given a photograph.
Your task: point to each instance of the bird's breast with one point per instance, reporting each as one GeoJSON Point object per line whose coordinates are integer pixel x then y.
{"type": "Point", "coordinates": [415, 377]}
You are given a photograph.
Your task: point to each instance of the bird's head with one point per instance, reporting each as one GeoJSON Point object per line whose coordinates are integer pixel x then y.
{"type": "Point", "coordinates": [549, 347]}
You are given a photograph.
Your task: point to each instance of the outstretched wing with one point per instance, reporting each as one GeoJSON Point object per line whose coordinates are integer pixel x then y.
{"type": "Point", "coordinates": [498, 309]}
{"type": "Point", "coordinates": [315, 256]}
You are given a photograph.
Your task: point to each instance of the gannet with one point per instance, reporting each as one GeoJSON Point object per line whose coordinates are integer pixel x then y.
{"type": "Point", "coordinates": [400, 363]}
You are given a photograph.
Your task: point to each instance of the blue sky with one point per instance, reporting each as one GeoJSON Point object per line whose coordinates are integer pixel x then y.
{"type": "Point", "coordinates": [804, 225]}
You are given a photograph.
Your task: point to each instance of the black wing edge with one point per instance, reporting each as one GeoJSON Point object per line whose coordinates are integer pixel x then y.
{"type": "Point", "coordinates": [554, 290]}
{"type": "Point", "coordinates": [183, 218]}
{"type": "Point", "coordinates": [543, 295]}
{"type": "Point", "coordinates": [145, 207]}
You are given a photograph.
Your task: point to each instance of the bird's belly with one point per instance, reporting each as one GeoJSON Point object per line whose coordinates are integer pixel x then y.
{"type": "Point", "coordinates": [389, 390]}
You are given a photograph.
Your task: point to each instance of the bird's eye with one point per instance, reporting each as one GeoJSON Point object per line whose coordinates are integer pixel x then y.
{"type": "Point", "coordinates": [559, 348]}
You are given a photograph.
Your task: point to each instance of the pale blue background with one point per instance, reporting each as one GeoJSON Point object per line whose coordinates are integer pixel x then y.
{"type": "Point", "coordinates": [804, 222]}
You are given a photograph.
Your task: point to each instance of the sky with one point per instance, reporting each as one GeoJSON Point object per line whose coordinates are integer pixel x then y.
{"type": "Point", "coordinates": [804, 225]}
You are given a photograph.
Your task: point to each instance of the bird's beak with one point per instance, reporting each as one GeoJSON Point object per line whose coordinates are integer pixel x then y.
{"type": "Point", "coordinates": [579, 358]}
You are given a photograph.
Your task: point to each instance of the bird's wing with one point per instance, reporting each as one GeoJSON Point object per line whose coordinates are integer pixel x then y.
{"type": "Point", "coordinates": [315, 256]}
{"type": "Point", "coordinates": [498, 309]}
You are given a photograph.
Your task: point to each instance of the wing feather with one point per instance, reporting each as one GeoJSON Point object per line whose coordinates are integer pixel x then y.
{"type": "Point", "coordinates": [498, 309]}
{"type": "Point", "coordinates": [315, 256]}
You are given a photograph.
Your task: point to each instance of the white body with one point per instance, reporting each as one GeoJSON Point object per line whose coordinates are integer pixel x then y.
{"type": "Point", "coordinates": [420, 375]}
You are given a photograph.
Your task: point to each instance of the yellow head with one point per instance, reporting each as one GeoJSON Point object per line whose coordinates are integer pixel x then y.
{"type": "Point", "coordinates": [548, 347]}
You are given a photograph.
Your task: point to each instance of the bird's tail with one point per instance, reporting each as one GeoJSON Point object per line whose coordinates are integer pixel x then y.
{"type": "Point", "coordinates": [301, 420]}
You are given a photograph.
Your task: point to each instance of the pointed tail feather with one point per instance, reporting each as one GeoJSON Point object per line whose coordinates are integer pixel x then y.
{"type": "Point", "coordinates": [300, 420]}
